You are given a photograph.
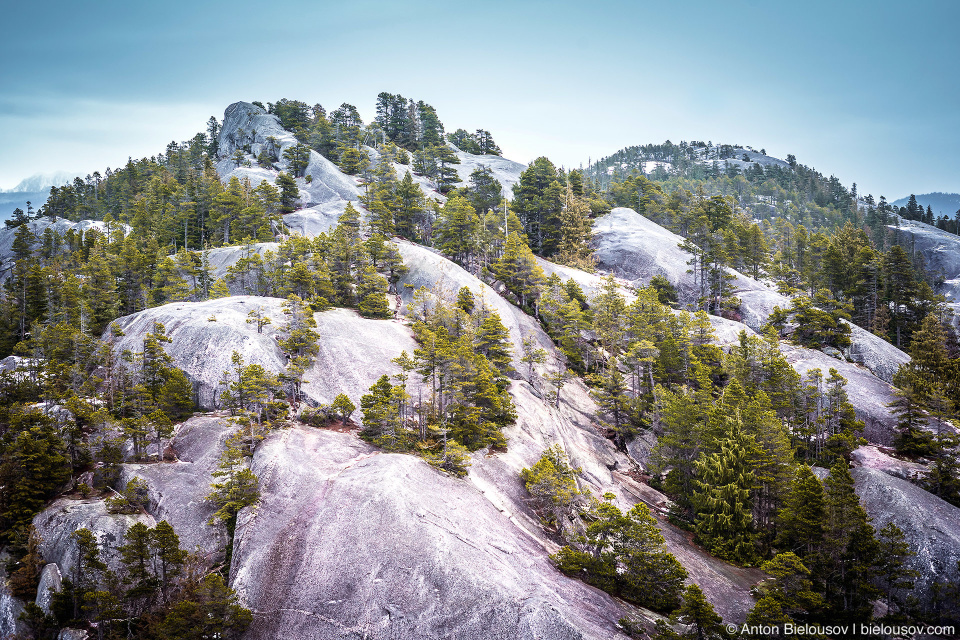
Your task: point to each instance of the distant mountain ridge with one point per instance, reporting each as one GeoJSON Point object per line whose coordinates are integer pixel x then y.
{"type": "Point", "coordinates": [41, 182]}
{"type": "Point", "coordinates": [939, 202]}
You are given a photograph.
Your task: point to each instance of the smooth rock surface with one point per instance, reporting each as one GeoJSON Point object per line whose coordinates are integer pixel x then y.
{"type": "Point", "coordinates": [353, 351]}
{"type": "Point", "coordinates": [55, 526]}
{"type": "Point", "coordinates": [872, 457]}
{"type": "Point", "coordinates": [351, 543]}
{"type": "Point", "coordinates": [50, 583]}
{"type": "Point", "coordinates": [931, 526]}
{"type": "Point", "coordinates": [202, 347]}
{"type": "Point", "coordinates": [178, 490]}
{"type": "Point", "coordinates": [635, 248]}
{"type": "Point", "coordinates": [868, 394]}
{"type": "Point", "coordinates": [507, 172]}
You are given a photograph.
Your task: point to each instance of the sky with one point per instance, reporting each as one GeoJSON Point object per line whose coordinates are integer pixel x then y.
{"type": "Point", "coordinates": [866, 91]}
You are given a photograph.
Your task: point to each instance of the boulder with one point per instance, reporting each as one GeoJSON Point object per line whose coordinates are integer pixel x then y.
{"type": "Point", "coordinates": [55, 526]}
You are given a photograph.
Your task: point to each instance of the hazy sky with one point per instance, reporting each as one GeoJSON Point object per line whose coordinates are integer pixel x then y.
{"type": "Point", "coordinates": [868, 91]}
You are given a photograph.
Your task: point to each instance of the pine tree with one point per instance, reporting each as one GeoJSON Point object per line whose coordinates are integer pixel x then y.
{"type": "Point", "coordinates": [892, 570]}
{"type": "Point", "coordinates": [492, 341]}
{"type": "Point", "coordinates": [457, 230]}
{"type": "Point", "coordinates": [137, 560]}
{"type": "Point", "coordinates": [219, 289]}
{"type": "Point", "coordinates": [846, 561]}
{"type": "Point", "coordinates": [573, 247]}
{"type": "Point", "coordinates": [537, 201]}
{"type": "Point", "coordinates": [209, 609]}
{"type": "Point", "coordinates": [170, 559]}
{"type": "Point", "coordinates": [289, 193]}
{"type": "Point", "coordinates": [724, 512]}
{"type": "Point", "coordinates": [34, 467]}
{"type": "Point", "coordinates": [697, 612]}
{"type": "Point", "coordinates": [801, 521]}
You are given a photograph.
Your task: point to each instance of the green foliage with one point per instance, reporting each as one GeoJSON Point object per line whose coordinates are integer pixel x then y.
{"type": "Point", "coordinates": [209, 609]}
{"type": "Point", "coordinates": [134, 499]}
{"type": "Point", "coordinates": [552, 483]}
{"type": "Point", "coordinates": [625, 554]}
{"type": "Point", "coordinates": [724, 512]}
{"type": "Point", "coordinates": [34, 467]}
{"type": "Point", "coordinates": [344, 407]}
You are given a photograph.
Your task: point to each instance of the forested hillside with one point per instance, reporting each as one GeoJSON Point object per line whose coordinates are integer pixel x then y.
{"type": "Point", "coordinates": [573, 415]}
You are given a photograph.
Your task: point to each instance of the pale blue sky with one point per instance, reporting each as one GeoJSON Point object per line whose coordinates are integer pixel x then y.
{"type": "Point", "coordinates": [868, 91]}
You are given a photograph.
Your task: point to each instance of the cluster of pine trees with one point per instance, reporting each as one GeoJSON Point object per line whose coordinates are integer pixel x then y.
{"type": "Point", "coordinates": [157, 591]}
{"type": "Point", "coordinates": [462, 359]}
{"type": "Point", "coordinates": [408, 131]}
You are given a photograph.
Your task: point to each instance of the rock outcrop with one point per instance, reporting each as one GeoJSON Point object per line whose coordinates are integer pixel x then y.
{"type": "Point", "coordinates": [56, 524]}
{"type": "Point", "coordinates": [177, 490]}
{"type": "Point", "coordinates": [868, 394]}
{"type": "Point", "coordinates": [930, 525]}
{"type": "Point", "coordinates": [51, 581]}
{"type": "Point", "coordinates": [871, 457]}
{"type": "Point", "coordinates": [507, 172]}
{"type": "Point", "coordinates": [348, 542]}
{"type": "Point", "coordinates": [635, 248]}
{"type": "Point", "coordinates": [58, 226]}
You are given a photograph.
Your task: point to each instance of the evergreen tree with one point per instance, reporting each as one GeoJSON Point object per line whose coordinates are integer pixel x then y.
{"type": "Point", "coordinates": [699, 614]}
{"type": "Point", "coordinates": [801, 521]}
{"type": "Point", "coordinates": [537, 201]}
{"type": "Point", "coordinates": [289, 193]}
{"type": "Point", "coordinates": [846, 561]}
{"type": "Point", "coordinates": [209, 609]}
{"type": "Point", "coordinates": [724, 512]}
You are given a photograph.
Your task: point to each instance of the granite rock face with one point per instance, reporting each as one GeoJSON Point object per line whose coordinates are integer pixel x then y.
{"type": "Point", "coordinates": [205, 334]}
{"type": "Point", "coordinates": [348, 543]}
{"type": "Point", "coordinates": [50, 583]}
{"type": "Point", "coordinates": [931, 526]}
{"type": "Point", "coordinates": [507, 172]}
{"type": "Point", "coordinates": [177, 490]}
{"type": "Point", "coordinates": [868, 394]}
{"type": "Point", "coordinates": [354, 351]}
{"type": "Point", "coordinates": [56, 524]}
{"type": "Point", "coordinates": [58, 226]}
{"type": "Point", "coordinates": [635, 248]}
{"type": "Point", "coordinates": [872, 457]}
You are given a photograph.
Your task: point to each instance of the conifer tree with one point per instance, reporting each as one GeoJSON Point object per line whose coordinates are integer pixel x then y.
{"type": "Point", "coordinates": [847, 559]}
{"type": "Point", "coordinates": [697, 612]}
{"type": "Point", "coordinates": [289, 192]}
{"type": "Point", "coordinates": [801, 521]}
{"type": "Point", "coordinates": [724, 512]}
